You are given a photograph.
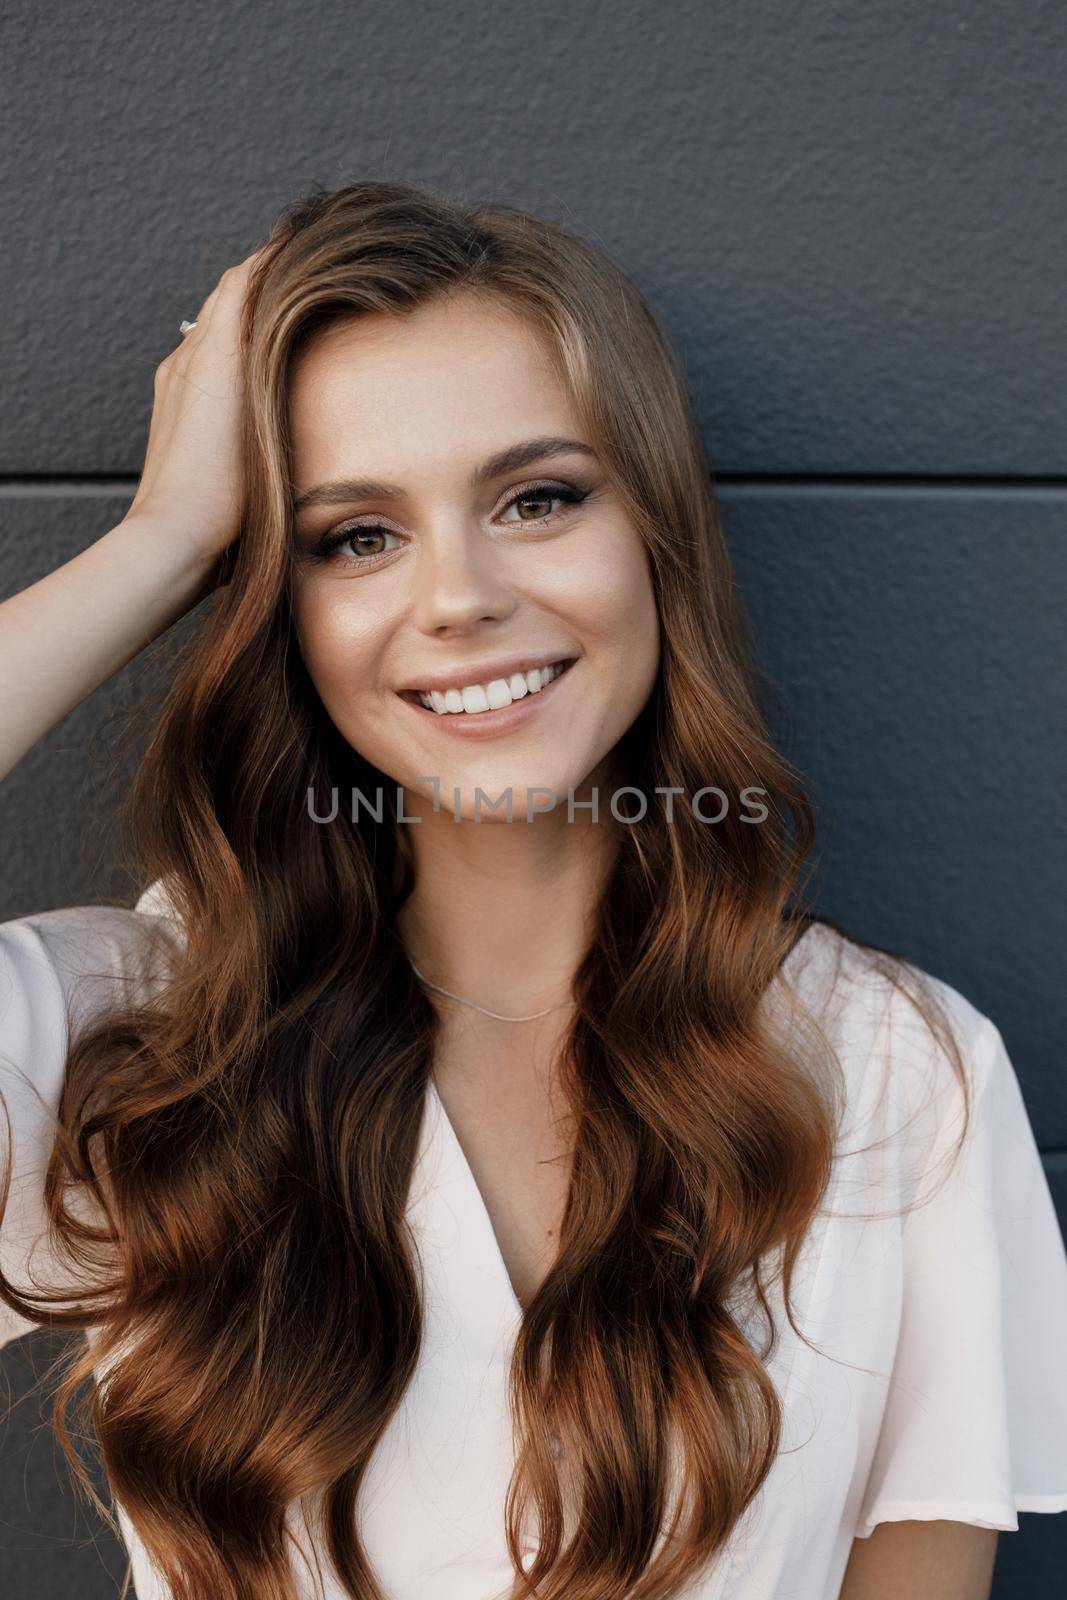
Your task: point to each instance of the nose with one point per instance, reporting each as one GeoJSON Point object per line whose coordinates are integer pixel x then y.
{"type": "Point", "coordinates": [459, 581]}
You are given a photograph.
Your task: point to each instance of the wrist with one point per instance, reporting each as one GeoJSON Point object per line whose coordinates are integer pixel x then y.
{"type": "Point", "coordinates": [170, 540]}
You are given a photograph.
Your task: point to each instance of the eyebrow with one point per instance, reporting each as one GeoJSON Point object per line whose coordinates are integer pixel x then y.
{"type": "Point", "coordinates": [513, 459]}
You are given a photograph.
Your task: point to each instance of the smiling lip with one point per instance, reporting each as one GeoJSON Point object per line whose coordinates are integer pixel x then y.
{"type": "Point", "coordinates": [481, 672]}
{"type": "Point", "coordinates": [486, 724]}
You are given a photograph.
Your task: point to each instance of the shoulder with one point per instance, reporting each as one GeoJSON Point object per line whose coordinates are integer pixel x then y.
{"type": "Point", "coordinates": [868, 998]}
{"type": "Point", "coordinates": [58, 967]}
{"type": "Point", "coordinates": [59, 972]}
{"type": "Point", "coordinates": [918, 1059]}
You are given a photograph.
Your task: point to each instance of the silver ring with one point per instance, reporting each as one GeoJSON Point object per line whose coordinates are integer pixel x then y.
{"type": "Point", "coordinates": [186, 327]}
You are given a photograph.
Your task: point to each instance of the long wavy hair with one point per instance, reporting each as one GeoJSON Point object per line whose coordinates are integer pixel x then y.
{"type": "Point", "coordinates": [243, 1137]}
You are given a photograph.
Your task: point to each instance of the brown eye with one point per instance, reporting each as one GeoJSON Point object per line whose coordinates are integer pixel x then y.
{"type": "Point", "coordinates": [542, 495]}
{"type": "Point", "coordinates": [371, 535]}
{"type": "Point", "coordinates": [360, 543]}
{"type": "Point", "coordinates": [528, 500]}
{"type": "Point", "coordinates": [352, 536]}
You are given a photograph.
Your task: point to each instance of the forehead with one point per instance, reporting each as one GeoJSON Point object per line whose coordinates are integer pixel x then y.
{"type": "Point", "coordinates": [455, 377]}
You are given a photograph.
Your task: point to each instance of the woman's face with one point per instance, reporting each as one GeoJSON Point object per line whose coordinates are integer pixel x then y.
{"type": "Point", "coordinates": [457, 567]}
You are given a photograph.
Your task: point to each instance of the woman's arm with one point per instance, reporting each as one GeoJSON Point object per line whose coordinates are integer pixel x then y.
{"type": "Point", "coordinates": [63, 636]}
{"type": "Point", "coordinates": [69, 632]}
{"type": "Point", "coordinates": [921, 1561]}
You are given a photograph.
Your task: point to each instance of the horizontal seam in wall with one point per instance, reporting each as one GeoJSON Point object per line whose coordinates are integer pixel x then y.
{"type": "Point", "coordinates": [734, 484]}
{"type": "Point", "coordinates": [1009, 483]}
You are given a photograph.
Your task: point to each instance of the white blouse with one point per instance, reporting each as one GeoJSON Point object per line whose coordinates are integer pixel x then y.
{"type": "Point", "coordinates": [941, 1389]}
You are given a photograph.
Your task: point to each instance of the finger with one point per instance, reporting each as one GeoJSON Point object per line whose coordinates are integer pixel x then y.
{"type": "Point", "coordinates": [222, 288]}
{"type": "Point", "coordinates": [192, 334]}
{"type": "Point", "coordinates": [226, 298]}
{"type": "Point", "coordinates": [229, 289]}
{"type": "Point", "coordinates": [202, 321]}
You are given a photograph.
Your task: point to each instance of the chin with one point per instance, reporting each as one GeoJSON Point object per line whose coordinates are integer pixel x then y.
{"type": "Point", "coordinates": [495, 778]}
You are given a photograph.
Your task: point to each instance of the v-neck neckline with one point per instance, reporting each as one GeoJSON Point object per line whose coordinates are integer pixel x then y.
{"type": "Point", "coordinates": [477, 1208]}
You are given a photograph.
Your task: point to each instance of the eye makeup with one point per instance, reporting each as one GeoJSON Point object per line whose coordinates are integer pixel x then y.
{"type": "Point", "coordinates": [322, 550]}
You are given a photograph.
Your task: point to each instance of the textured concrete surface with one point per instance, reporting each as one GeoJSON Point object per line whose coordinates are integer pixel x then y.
{"type": "Point", "coordinates": [851, 218]}
{"type": "Point", "coordinates": [852, 221]}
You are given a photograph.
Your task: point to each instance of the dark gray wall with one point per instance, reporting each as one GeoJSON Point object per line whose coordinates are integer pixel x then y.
{"type": "Point", "coordinates": [852, 221]}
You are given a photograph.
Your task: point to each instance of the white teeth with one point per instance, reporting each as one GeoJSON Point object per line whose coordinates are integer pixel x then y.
{"type": "Point", "coordinates": [492, 696]}
{"type": "Point", "coordinates": [475, 698]}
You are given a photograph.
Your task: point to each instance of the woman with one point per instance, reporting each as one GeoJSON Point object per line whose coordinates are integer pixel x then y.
{"type": "Point", "coordinates": [473, 1172]}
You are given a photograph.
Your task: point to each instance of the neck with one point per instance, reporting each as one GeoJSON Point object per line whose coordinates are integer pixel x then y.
{"type": "Point", "coordinates": [502, 913]}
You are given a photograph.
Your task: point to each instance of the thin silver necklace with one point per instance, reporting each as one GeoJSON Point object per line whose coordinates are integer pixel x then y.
{"type": "Point", "coordinates": [499, 1015]}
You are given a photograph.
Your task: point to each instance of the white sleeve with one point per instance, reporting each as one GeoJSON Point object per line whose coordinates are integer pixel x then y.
{"type": "Point", "coordinates": [57, 969]}
{"type": "Point", "coordinates": [975, 1424]}
{"type": "Point", "coordinates": [33, 1049]}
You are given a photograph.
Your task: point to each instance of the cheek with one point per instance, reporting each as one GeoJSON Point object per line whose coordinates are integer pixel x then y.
{"type": "Point", "coordinates": [622, 616]}
{"type": "Point", "coordinates": [336, 642]}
